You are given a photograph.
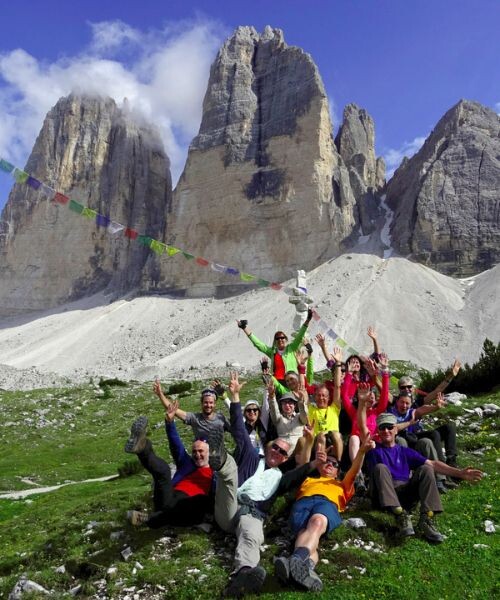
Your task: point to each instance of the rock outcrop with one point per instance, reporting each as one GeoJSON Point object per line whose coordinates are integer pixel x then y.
{"type": "Point", "coordinates": [356, 145]}
{"type": "Point", "coordinates": [264, 188]}
{"type": "Point", "coordinates": [446, 198]}
{"type": "Point", "coordinates": [98, 155]}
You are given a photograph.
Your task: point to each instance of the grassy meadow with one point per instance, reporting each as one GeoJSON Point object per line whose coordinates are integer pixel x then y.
{"type": "Point", "coordinates": [72, 538]}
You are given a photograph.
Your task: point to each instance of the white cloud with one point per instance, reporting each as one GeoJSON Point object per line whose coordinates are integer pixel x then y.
{"type": "Point", "coordinates": [393, 157]}
{"type": "Point", "coordinates": [162, 73]}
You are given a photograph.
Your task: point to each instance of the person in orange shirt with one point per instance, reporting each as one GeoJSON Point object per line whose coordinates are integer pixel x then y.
{"type": "Point", "coordinates": [315, 513]}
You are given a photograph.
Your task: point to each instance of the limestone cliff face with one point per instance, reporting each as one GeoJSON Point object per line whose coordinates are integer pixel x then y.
{"type": "Point", "coordinates": [264, 188]}
{"type": "Point", "coordinates": [446, 198]}
{"type": "Point", "coordinates": [93, 152]}
{"type": "Point", "coordinates": [356, 145]}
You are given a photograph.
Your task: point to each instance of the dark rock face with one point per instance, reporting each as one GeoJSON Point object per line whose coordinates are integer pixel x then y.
{"type": "Point", "coordinates": [356, 145]}
{"type": "Point", "coordinates": [446, 198]}
{"type": "Point", "coordinates": [93, 152]}
{"type": "Point", "coordinates": [263, 174]}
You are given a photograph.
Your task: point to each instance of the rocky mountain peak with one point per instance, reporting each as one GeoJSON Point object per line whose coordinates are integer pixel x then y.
{"type": "Point", "coordinates": [92, 152]}
{"type": "Point", "coordinates": [446, 199]}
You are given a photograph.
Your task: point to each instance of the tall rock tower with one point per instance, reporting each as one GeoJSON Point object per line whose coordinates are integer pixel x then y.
{"type": "Point", "coordinates": [264, 188]}
{"type": "Point", "coordinates": [98, 155]}
{"type": "Point", "coordinates": [446, 198]}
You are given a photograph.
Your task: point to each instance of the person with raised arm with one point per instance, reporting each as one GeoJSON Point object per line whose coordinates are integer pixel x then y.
{"type": "Point", "coordinates": [246, 490]}
{"type": "Point", "coordinates": [315, 513]}
{"type": "Point", "coordinates": [209, 424]}
{"type": "Point", "coordinates": [289, 414]}
{"type": "Point", "coordinates": [183, 499]}
{"type": "Point", "coordinates": [281, 353]}
{"type": "Point", "coordinates": [400, 477]}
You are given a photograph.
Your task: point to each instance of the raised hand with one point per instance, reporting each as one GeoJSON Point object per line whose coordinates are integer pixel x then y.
{"type": "Point", "coordinates": [157, 387]}
{"type": "Point", "coordinates": [369, 365]}
{"type": "Point", "coordinates": [234, 384]}
{"type": "Point", "coordinates": [242, 323]}
{"type": "Point", "coordinates": [337, 354]}
{"type": "Point", "coordinates": [170, 411]}
{"type": "Point", "coordinates": [372, 333]}
{"type": "Point", "coordinates": [321, 455]}
{"type": "Point", "coordinates": [271, 391]}
{"type": "Point", "coordinates": [320, 338]}
{"type": "Point", "coordinates": [364, 389]}
{"type": "Point", "coordinates": [440, 401]}
{"type": "Point", "coordinates": [301, 357]}
{"type": "Point", "coordinates": [456, 367]}
{"type": "Point", "coordinates": [383, 360]}
{"type": "Point", "coordinates": [218, 387]}
{"type": "Point", "coordinates": [367, 444]}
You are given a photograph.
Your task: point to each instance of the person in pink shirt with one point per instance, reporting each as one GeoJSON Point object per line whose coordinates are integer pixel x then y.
{"type": "Point", "coordinates": [375, 406]}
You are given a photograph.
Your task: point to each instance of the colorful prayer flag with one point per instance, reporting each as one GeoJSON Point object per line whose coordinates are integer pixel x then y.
{"type": "Point", "coordinates": [263, 283]}
{"type": "Point", "coordinates": [102, 221]}
{"type": "Point", "coordinates": [217, 268]}
{"type": "Point", "coordinates": [158, 247]}
{"type": "Point", "coordinates": [144, 240]}
{"type": "Point", "coordinates": [131, 233]}
{"type": "Point", "coordinates": [171, 251]}
{"type": "Point", "coordinates": [34, 183]}
{"type": "Point", "coordinates": [277, 286]}
{"type": "Point", "coordinates": [89, 213]}
{"type": "Point", "coordinates": [246, 277]}
{"type": "Point", "coordinates": [322, 325]}
{"type": "Point", "coordinates": [350, 351]}
{"type": "Point", "coordinates": [316, 316]}
{"type": "Point", "coordinates": [62, 199]}
{"type": "Point", "coordinates": [76, 207]}
{"type": "Point", "coordinates": [231, 271]}
{"type": "Point", "coordinates": [6, 166]}
{"type": "Point", "coordinates": [201, 261]}
{"type": "Point", "coordinates": [187, 256]}
{"type": "Point", "coordinates": [331, 333]}
{"type": "Point", "coordinates": [115, 227]}
{"type": "Point", "coordinates": [341, 343]}
{"type": "Point", "coordinates": [20, 176]}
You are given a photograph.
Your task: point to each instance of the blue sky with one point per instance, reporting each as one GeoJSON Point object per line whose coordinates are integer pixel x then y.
{"type": "Point", "coordinates": [406, 62]}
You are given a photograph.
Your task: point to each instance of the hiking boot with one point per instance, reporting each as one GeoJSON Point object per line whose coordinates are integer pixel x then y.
{"type": "Point", "coordinates": [282, 568]}
{"type": "Point", "coordinates": [428, 530]}
{"type": "Point", "coordinates": [217, 452]}
{"type": "Point", "coordinates": [450, 484]}
{"type": "Point", "coordinates": [303, 573]}
{"type": "Point", "coordinates": [137, 440]}
{"type": "Point", "coordinates": [248, 580]}
{"type": "Point", "coordinates": [441, 486]}
{"type": "Point", "coordinates": [405, 526]}
{"type": "Point", "coordinates": [360, 484]}
{"type": "Point", "coordinates": [137, 518]}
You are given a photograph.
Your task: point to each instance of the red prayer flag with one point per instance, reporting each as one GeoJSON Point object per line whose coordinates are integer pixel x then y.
{"type": "Point", "coordinates": [131, 233]}
{"type": "Point", "coordinates": [61, 198]}
{"type": "Point", "coordinates": [276, 286]}
{"type": "Point", "coordinates": [202, 261]}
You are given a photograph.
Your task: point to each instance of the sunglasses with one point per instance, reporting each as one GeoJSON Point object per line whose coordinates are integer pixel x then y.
{"type": "Point", "coordinates": [287, 401]}
{"type": "Point", "coordinates": [280, 337]}
{"type": "Point", "coordinates": [386, 426]}
{"type": "Point", "coordinates": [333, 461]}
{"type": "Point", "coordinates": [280, 450]}
{"type": "Point", "coordinates": [405, 387]}
{"type": "Point", "coordinates": [251, 410]}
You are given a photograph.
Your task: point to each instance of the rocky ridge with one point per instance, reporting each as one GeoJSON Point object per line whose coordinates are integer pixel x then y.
{"type": "Point", "coordinates": [101, 157]}
{"type": "Point", "coordinates": [446, 198]}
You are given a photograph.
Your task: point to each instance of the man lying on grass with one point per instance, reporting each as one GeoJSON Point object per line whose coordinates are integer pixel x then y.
{"type": "Point", "coordinates": [184, 499]}
{"type": "Point", "coordinates": [316, 513]}
{"type": "Point", "coordinates": [401, 477]}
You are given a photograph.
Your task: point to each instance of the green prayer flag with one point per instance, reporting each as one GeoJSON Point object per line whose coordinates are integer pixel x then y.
{"type": "Point", "coordinates": [188, 256]}
{"type": "Point", "coordinates": [247, 277]}
{"type": "Point", "coordinates": [6, 166]}
{"type": "Point", "coordinates": [157, 247]}
{"type": "Point", "coordinates": [20, 176]}
{"type": "Point", "coordinates": [89, 213]}
{"type": "Point", "coordinates": [171, 251]}
{"type": "Point", "coordinates": [341, 343]}
{"type": "Point", "coordinates": [144, 240]}
{"type": "Point", "coordinates": [76, 206]}
{"type": "Point", "coordinates": [263, 283]}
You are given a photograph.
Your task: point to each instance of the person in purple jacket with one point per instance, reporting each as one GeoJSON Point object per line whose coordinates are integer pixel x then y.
{"type": "Point", "coordinates": [183, 499]}
{"type": "Point", "coordinates": [400, 477]}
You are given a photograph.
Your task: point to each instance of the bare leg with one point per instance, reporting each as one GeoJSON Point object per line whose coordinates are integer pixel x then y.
{"type": "Point", "coordinates": [310, 536]}
{"type": "Point", "coordinates": [338, 445]}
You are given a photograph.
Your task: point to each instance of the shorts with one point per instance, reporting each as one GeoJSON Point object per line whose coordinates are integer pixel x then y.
{"type": "Point", "coordinates": [306, 507]}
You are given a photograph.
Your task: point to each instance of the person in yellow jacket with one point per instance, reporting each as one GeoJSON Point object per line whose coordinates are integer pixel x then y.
{"type": "Point", "coordinates": [315, 513]}
{"type": "Point", "coordinates": [281, 353]}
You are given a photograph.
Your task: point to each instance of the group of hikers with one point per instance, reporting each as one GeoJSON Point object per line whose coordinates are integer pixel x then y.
{"type": "Point", "coordinates": [293, 441]}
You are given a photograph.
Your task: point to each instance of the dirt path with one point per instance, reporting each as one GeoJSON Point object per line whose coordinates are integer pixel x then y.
{"type": "Point", "coordinates": [43, 490]}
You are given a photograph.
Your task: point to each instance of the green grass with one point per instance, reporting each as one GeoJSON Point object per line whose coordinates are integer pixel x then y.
{"type": "Point", "coordinates": [45, 531]}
